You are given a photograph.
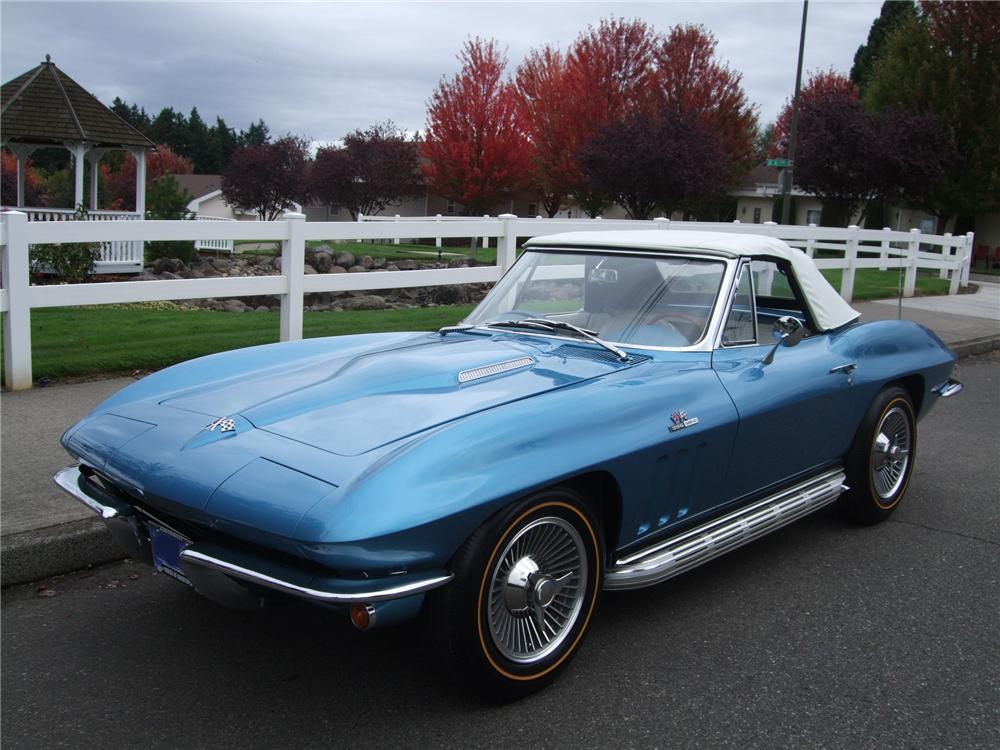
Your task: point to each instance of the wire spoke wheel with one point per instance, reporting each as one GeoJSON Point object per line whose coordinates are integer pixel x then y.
{"type": "Point", "coordinates": [536, 590]}
{"type": "Point", "coordinates": [891, 453]}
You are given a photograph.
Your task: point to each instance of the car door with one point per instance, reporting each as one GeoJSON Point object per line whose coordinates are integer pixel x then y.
{"type": "Point", "coordinates": [795, 413]}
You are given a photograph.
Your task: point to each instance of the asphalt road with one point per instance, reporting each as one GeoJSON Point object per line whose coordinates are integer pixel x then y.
{"type": "Point", "coordinates": [822, 635]}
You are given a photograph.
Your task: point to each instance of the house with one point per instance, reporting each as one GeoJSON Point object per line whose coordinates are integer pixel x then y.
{"type": "Point", "coordinates": [207, 200]}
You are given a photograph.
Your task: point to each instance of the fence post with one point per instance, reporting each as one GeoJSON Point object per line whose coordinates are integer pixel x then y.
{"type": "Point", "coordinates": [395, 240]}
{"type": "Point", "coordinates": [293, 263]}
{"type": "Point", "coordinates": [17, 319]}
{"type": "Point", "coordinates": [946, 254]}
{"type": "Point", "coordinates": [811, 244]}
{"type": "Point", "coordinates": [486, 239]}
{"type": "Point", "coordinates": [851, 256]}
{"type": "Point", "coordinates": [361, 218]}
{"type": "Point", "coordinates": [437, 240]}
{"type": "Point", "coordinates": [507, 242]}
{"type": "Point", "coordinates": [912, 259]}
{"type": "Point", "coordinates": [662, 222]}
{"type": "Point", "coordinates": [883, 254]}
{"type": "Point", "coordinates": [970, 242]}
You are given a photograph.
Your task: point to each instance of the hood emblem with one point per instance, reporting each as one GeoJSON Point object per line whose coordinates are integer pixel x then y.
{"type": "Point", "coordinates": [225, 424]}
{"type": "Point", "coordinates": [681, 420]}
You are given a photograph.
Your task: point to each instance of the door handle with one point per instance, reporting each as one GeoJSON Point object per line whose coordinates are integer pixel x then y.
{"type": "Point", "coordinates": [847, 369]}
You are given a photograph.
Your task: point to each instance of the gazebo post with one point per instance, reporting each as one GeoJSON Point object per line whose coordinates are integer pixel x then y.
{"type": "Point", "coordinates": [79, 151]}
{"type": "Point", "coordinates": [21, 153]}
{"type": "Point", "coordinates": [94, 157]}
{"type": "Point", "coordinates": [140, 181]}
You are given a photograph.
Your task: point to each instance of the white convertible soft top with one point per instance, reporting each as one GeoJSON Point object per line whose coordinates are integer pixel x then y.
{"type": "Point", "coordinates": [827, 308]}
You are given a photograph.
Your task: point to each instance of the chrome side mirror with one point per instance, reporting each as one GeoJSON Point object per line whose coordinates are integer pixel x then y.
{"type": "Point", "coordinates": [788, 331]}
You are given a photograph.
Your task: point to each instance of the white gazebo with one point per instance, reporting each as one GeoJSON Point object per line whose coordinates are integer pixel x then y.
{"type": "Point", "coordinates": [45, 108]}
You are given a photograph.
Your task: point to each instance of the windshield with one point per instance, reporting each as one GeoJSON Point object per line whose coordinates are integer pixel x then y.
{"type": "Point", "coordinates": [624, 299]}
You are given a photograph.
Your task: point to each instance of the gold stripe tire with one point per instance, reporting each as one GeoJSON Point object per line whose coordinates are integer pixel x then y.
{"type": "Point", "coordinates": [526, 585]}
{"type": "Point", "coordinates": [880, 462]}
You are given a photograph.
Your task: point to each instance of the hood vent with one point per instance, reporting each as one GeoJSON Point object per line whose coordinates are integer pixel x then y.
{"type": "Point", "coordinates": [486, 371]}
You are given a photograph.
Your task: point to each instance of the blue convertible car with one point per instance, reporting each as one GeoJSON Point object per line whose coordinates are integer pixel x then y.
{"type": "Point", "coordinates": [621, 407]}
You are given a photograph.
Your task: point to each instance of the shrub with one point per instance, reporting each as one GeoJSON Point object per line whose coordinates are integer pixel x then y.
{"type": "Point", "coordinates": [167, 200]}
{"type": "Point", "coordinates": [69, 261]}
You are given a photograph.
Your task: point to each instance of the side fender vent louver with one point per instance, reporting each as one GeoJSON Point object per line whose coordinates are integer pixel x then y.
{"type": "Point", "coordinates": [487, 371]}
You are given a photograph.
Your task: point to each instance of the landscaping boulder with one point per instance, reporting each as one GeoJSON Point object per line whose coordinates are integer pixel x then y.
{"type": "Point", "coordinates": [145, 276]}
{"type": "Point", "coordinates": [322, 260]}
{"type": "Point", "coordinates": [357, 269]}
{"type": "Point", "coordinates": [336, 269]}
{"type": "Point", "coordinates": [174, 265]}
{"type": "Point", "coordinates": [345, 259]}
{"type": "Point", "coordinates": [452, 294]}
{"type": "Point", "coordinates": [367, 261]}
{"type": "Point", "coordinates": [365, 302]}
{"type": "Point", "coordinates": [407, 265]}
{"type": "Point", "coordinates": [234, 305]}
{"type": "Point", "coordinates": [262, 308]}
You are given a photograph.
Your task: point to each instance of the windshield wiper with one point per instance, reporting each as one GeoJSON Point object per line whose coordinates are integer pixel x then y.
{"type": "Point", "coordinates": [552, 325]}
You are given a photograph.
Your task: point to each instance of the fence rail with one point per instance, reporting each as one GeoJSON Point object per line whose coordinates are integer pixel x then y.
{"type": "Point", "coordinates": [858, 248]}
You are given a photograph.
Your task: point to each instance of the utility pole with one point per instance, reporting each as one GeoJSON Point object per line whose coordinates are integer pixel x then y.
{"type": "Point", "coordinates": [786, 188]}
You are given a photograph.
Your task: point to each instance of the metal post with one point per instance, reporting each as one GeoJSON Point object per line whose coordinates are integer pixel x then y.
{"type": "Point", "coordinates": [17, 318]}
{"type": "Point", "coordinates": [293, 262]}
{"type": "Point", "coordinates": [786, 188]}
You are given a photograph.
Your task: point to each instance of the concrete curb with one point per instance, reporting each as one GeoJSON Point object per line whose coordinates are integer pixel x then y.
{"type": "Point", "coordinates": [40, 553]}
{"type": "Point", "coordinates": [53, 550]}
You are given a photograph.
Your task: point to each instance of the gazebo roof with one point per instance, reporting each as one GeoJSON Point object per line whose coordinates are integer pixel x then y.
{"type": "Point", "coordinates": [46, 106]}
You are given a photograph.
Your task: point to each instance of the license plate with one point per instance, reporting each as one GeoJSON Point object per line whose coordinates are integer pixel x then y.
{"type": "Point", "coordinates": [167, 548]}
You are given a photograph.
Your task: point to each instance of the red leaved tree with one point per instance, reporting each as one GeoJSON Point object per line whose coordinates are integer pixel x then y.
{"type": "Point", "coordinates": [375, 168]}
{"type": "Point", "coordinates": [475, 147]}
{"type": "Point", "coordinates": [119, 184]}
{"type": "Point", "coordinates": [691, 80]}
{"type": "Point", "coordinates": [821, 84]}
{"type": "Point", "coordinates": [34, 191]}
{"type": "Point", "coordinates": [267, 178]}
{"type": "Point", "coordinates": [547, 111]}
{"type": "Point", "coordinates": [610, 74]}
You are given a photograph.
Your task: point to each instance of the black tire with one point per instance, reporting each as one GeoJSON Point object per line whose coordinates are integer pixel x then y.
{"type": "Point", "coordinates": [878, 472]}
{"type": "Point", "coordinates": [552, 544]}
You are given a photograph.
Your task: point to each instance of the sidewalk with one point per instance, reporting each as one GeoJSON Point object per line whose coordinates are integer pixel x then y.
{"type": "Point", "coordinates": [44, 532]}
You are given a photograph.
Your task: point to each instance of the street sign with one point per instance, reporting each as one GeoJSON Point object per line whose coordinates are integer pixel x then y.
{"type": "Point", "coordinates": [780, 162]}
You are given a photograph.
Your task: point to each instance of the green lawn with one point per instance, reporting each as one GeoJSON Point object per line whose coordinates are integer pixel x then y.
{"type": "Point", "coordinates": [81, 341]}
{"type": "Point", "coordinates": [870, 283]}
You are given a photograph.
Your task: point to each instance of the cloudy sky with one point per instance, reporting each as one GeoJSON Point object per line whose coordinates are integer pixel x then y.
{"type": "Point", "coordinates": [321, 69]}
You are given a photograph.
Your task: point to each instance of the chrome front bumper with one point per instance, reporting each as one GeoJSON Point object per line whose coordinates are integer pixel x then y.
{"type": "Point", "coordinates": [211, 568]}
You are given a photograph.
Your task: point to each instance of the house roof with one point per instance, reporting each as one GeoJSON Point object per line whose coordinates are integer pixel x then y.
{"type": "Point", "coordinates": [46, 106]}
{"type": "Point", "coordinates": [199, 185]}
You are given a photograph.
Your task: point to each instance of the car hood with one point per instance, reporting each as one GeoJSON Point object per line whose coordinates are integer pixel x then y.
{"type": "Point", "coordinates": [349, 404]}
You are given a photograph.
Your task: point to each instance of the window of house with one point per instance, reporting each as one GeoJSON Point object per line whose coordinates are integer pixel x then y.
{"type": "Point", "coordinates": [813, 216]}
{"type": "Point", "coordinates": [532, 210]}
{"type": "Point", "coordinates": [756, 216]}
{"type": "Point", "coordinates": [451, 207]}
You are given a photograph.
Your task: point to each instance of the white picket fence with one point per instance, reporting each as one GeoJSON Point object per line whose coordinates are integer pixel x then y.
{"type": "Point", "coordinates": [116, 257]}
{"type": "Point", "coordinates": [858, 248]}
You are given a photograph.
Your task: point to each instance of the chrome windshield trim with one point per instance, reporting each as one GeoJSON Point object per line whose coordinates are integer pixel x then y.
{"type": "Point", "coordinates": [376, 594]}
{"type": "Point", "coordinates": [705, 344]}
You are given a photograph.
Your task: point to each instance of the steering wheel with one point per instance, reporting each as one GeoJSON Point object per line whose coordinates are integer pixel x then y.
{"type": "Point", "coordinates": [694, 324]}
